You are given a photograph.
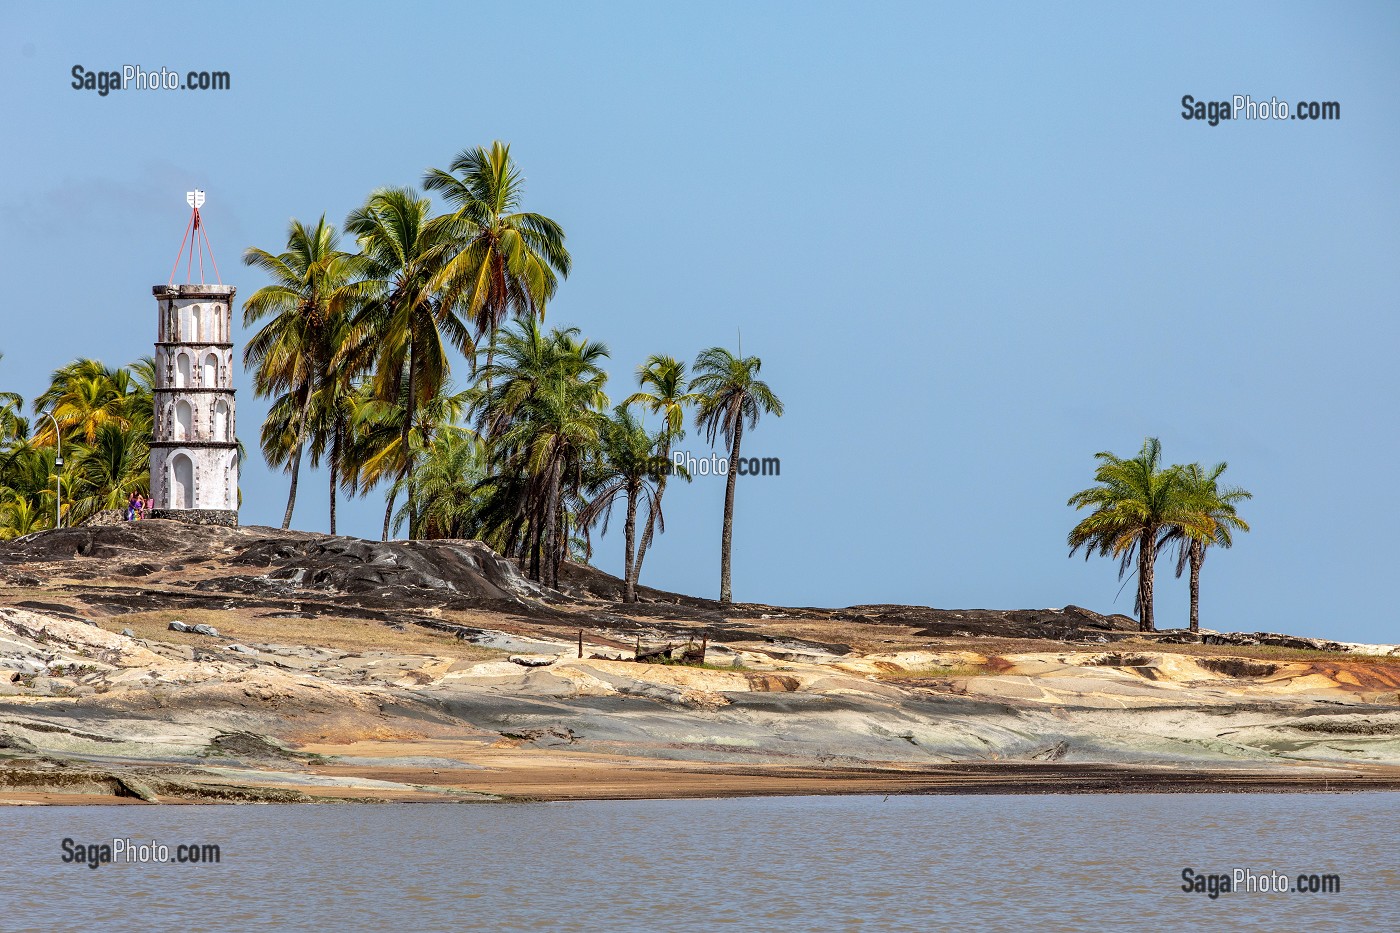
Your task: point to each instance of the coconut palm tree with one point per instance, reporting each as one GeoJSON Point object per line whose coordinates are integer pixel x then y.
{"type": "Point", "coordinates": [730, 394]}
{"type": "Point", "coordinates": [85, 395]}
{"type": "Point", "coordinates": [539, 406]}
{"type": "Point", "coordinates": [665, 377]}
{"type": "Point", "coordinates": [1135, 503]}
{"type": "Point", "coordinates": [293, 356]}
{"type": "Point", "coordinates": [627, 467]}
{"type": "Point", "coordinates": [27, 489]}
{"type": "Point", "coordinates": [373, 449]}
{"type": "Point", "coordinates": [503, 260]}
{"type": "Point", "coordinates": [551, 445]}
{"type": "Point", "coordinates": [445, 479]}
{"type": "Point", "coordinates": [404, 327]}
{"type": "Point", "coordinates": [1217, 506]}
{"type": "Point", "coordinates": [22, 516]}
{"type": "Point", "coordinates": [281, 440]}
{"type": "Point", "coordinates": [13, 425]}
{"type": "Point", "coordinates": [106, 472]}
{"type": "Point", "coordinates": [329, 410]}
{"type": "Point", "coordinates": [528, 360]}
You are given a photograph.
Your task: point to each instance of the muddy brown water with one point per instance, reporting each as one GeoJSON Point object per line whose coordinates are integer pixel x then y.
{"type": "Point", "coordinates": [807, 863]}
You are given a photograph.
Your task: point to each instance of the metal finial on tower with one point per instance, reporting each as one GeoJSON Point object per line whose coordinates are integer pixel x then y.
{"type": "Point", "coordinates": [200, 242]}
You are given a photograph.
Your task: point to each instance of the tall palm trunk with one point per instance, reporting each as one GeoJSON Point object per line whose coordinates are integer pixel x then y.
{"type": "Point", "coordinates": [338, 434]}
{"type": "Point", "coordinates": [296, 464]}
{"type": "Point", "coordinates": [408, 413]}
{"type": "Point", "coordinates": [551, 515]}
{"type": "Point", "coordinates": [535, 536]}
{"type": "Point", "coordinates": [292, 493]}
{"type": "Point", "coordinates": [1147, 558]}
{"type": "Point", "coordinates": [727, 542]}
{"type": "Point", "coordinates": [561, 538]}
{"type": "Point", "coordinates": [1197, 557]}
{"type": "Point", "coordinates": [629, 592]}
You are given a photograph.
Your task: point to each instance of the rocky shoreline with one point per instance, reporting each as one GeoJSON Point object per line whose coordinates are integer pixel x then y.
{"type": "Point", "coordinates": [162, 663]}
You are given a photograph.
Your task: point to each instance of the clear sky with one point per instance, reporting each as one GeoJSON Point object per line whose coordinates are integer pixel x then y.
{"type": "Point", "coordinates": [972, 244]}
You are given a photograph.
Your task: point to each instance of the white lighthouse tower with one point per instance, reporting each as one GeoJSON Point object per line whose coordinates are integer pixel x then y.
{"type": "Point", "coordinates": [194, 451]}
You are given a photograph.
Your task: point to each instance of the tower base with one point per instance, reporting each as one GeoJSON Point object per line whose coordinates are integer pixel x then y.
{"type": "Point", "coordinates": [227, 518]}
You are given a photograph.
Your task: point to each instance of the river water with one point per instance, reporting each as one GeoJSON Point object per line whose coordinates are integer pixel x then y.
{"type": "Point", "coordinates": [1024, 863]}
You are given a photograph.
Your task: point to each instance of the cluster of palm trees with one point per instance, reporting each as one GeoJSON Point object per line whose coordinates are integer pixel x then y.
{"type": "Point", "coordinates": [98, 419]}
{"type": "Point", "coordinates": [1141, 508]}
{"type": "Point", "coordinates": [356, 349]}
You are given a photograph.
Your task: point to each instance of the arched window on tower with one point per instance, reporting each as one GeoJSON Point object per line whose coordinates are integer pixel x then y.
{"type": "Point", "coordinates": [221, 420]}
{"type": "Point", "coordinates": [184, 421]}
{"type": "Point", "coordinates": [211, 371]}
{"type": "Point", "coordinates": [196, 324]}
{"type": "Point", "coordinates": [181, 482]}
{"type": "Point", "coordinates": [183, 376]}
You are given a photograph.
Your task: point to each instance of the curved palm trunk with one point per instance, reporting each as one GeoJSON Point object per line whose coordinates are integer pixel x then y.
{"type": "Point", "coordinates": [334, 483]}
{"type": "Point", "coordinates": [1147, 558]}
{"type": "Point", "coordinates": [1197, 556]}
{"type": "Point", "coordinates": [296, 465]}
{"type": "Point", "coordinates": [727, 542]}
{"type": "Point", "coordinates": [652, 510]}
{"type": "Point", "coordinates": [389, 512]}
{"type": "Point", "coordinates": [629, 591]}
{"type": "Point", "coordinates": [292, 493]}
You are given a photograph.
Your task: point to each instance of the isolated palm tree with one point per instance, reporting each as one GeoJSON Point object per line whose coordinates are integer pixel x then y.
{"type": "Point", "coordinates": [663, 382]}
{"type": "Point", "coordinates": [293, 356]}
{"type": "Point", "coordinates": [404, 328]}
{"type": "Point", "coordinates": [729, 395]}
{"type": "Point", "coordinates": [503, 261]}
{"type": "Point", "coordinates": [1135, 503]}
{"type": "Point", "coordinates": [1216, 505]}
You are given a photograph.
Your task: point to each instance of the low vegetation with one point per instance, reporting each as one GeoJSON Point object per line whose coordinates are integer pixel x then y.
{"type": "Point", "coordinates": [338, 634]}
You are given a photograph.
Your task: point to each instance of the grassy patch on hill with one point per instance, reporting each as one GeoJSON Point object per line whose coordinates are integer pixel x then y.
{"type": "Point", "coordinates": [258, 627]}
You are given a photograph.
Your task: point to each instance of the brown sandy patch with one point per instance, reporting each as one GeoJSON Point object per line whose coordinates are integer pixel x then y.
{"type": "Point", "coordinates": [561, 774]}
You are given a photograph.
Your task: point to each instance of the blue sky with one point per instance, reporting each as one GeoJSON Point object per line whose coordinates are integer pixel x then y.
{"type": "Point", "coordinates": [973, 246]}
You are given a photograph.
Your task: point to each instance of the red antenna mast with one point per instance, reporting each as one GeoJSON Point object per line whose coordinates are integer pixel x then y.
{"type": "Point", "coordinates": [198, 243]}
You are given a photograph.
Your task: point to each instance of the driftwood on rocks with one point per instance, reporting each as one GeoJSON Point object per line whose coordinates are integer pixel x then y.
{"type": "Point", "coordinates": [688, 652]}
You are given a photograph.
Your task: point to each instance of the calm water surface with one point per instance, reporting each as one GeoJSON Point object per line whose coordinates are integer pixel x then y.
{"type": "Point", "coordinates": [806, 863]}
